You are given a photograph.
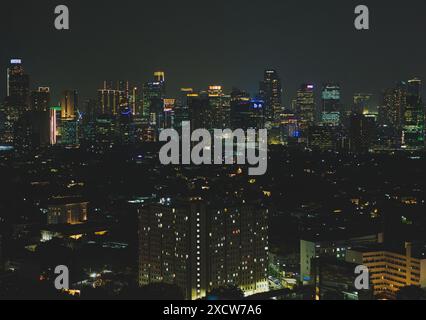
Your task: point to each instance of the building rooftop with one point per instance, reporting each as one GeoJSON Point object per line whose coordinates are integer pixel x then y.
{"type": "Point", "coordinates": [418, 250]}
{"type": "Point", "coordinates": [66, 200]}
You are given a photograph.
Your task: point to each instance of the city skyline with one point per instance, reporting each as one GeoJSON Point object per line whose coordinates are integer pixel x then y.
{"type": "Point", "coordinates": [288, 99]}
{"type": "Point", "coordinates": [306, 47]}
{"type": "Point", "coordinates": [212, 151]}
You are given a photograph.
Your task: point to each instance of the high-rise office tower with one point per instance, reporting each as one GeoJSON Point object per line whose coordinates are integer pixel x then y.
{"type": "Point", "coordinates": [152, 99]}
{"type": "Point", "coordinates": [9, 115]}
{"type": "Point", "coordinates": [290, 128]}
{"type": "Point", "coordinates": [68, 124]}
{"type": "Point", "coordinates": [246, 113]}
{"type": "Point", "coordinates": [210, 109]}
{"type": "Point", "coordinates": [159, 76]}
{"type": "Point", "coordinates": [54, 118]}
{"type": "Point", "coordinates": [182, 107]}
{"type": "Point", "coordinates": [305, 106]}
{"type": "Point", "coordinates": [200, 248]}
{"type": "Point", "coordinates": [220, 106]}
{"type": "Point", "coordinates": [40, 99]}
{"type": "Point", "coordinates": [271, 92]}
{"type": "Point", "coordinates": [87, 121]}
{"type": "Point", "coordinates": [391, 113]}
{"type": "Point", "coordinates": [108, 85]}
{"type": "Point", "coordinates": [322, 137]}
{"type": "Point", "coordinates": [126, 127]}
{"type": "Point", "coordinates": [32, 129]}
{"type": "Point", "coordinates": [153, 94]}
{"type": "Point", "coordinates": [18, 85]}
{"type": "Point", "coordinates": [104, 133]}
{"type": "Point", "coordinates": [168, 117]}
{"type": "Point", "coordinates": [123, 86]}
{"type": "Point", "coordinates": [200, 113]}
{"type": "Point", "coordinates": [361, 132]}
{"type": "Point", "coordinates": [413, 117]}
{"type": "Point", "coordinates": [16, 102]}
{"type": "Point", "coordinates": [394, 103]}
{"type": "Point", "coordinates": [109, 100]}
{"type": "Point", "coordinates": [69, 104]}
{"type": "Point", "coordinates": [331, 107]}
{"type": "Point", "coordinates": [135, 100]}
{"type": "Point", "coordinates": [362, 103]}
{"type": "Point", "coordinates": [69, 134]}
{"type": "Point", "coordinates": [240, 109]}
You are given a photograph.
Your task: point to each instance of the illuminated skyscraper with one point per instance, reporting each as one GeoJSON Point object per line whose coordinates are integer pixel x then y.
{"type": "Point", "coordinates": [69, 132]}
{"type": "Point", "coordinates": [18, 85]}
{"type": "Point", "coordinates": [290, 128]}
{"type": "Point", "coordinates": [182, 107]}
{"type": "Point", "coordinates": [305, 106]}
{"type": "Point", "coordinates": [246, 113]}
{"type": "Point", "coordinates": [361, 132]}
{"type": "Point", "coordinates": [271, 92]}
{"type": "Point", "coordinates": [123, 86]}
{"type": "Point", "coordinates": [126, 127]}
{"type": "Point", "coordinates": [9, 116]}
{"type": "Point", "coordinates": [394, 103]}
{"type": "Point", "coordinates": [168, 116]}
{"type": "Point", "coordinates": [16, 102]}
{"type": "Point", "coordinates": [68, 126]}
{"type": "Point", "coordinates": [220, 106]}
{"type": "Point", "coordinates": [152, 99]}
{"type": "Point", "coordinates": [414, 117]}
{"type": "Point", "coordinates": [362, 103]}
{"type": "Point", "coordinates": [54, 118]}
{"type": "Point", "coordinates": [135, 100]}
{"type": "Point", "coordinates": [210, 109]}
{"type": "Point", "coordinates": [104, 132]}
{"type": "Point", "coordinates": [240, 109]}
{"type": "Point", "coordinates": [40, 99]}
{"type": "Point", "coordinates": [69, 104]}
{"type": "Point", "coordinates": [159, 76]}
{"type": "Point", "coordinates": [331, 107]}
{"type": "Point", "coordinates": [391, 114]}
{"type": "Point", "coordinates": [109, 101]}
{"type": "Point", "coordinates": [153, 94]}
{"type": "Point", "coordinates": [199, 109]}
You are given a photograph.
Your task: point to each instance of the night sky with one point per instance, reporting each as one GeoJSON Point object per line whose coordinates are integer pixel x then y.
{"type": "Point", "coordinates": [198, 43]}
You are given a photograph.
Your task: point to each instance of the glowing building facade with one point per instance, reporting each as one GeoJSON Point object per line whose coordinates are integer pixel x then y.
{"type": "Point", "coordinates": [305, 106]}
{"type": "Point", "coordinates": [391, 269]}
{"type": "Point", "coordinates": [200, 248]}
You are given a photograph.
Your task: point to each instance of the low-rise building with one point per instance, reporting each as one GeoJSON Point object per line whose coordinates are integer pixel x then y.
{"type": "Point", "coordinates": [391, 267]}
{"type": "Point", "coordinates": [327, 246]}
{"type": "Point", "coordinates": [67, 211]}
